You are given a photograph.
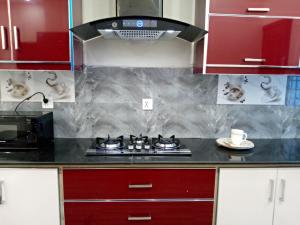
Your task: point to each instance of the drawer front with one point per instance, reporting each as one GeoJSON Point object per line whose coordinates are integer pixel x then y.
{"type": "Point", "coordinates": [138, 183]}
{"type": "Point", "coordinates": [191, 213]}
{"type": "Point", "coordinates": [236, 70]}
{"type": "Point", "coordinates": [256, 7]}
{"type": "Point", "coordinates": [253, 41]}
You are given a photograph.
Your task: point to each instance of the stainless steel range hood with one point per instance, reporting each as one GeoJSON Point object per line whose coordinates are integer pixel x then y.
{"type": "Point", "coordinates": [138, 20]}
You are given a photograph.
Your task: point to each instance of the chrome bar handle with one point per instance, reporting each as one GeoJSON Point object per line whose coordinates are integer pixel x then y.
{"type": "Point", "coordinates": [2, 193]}
{"type": "Point", "coordinates": [16, 38]}
{"type": "Point", "coordinates": [282, 195]}
{"type": "Point", "coordinates": [254, 60]}
{"type": "Point", "coordinates": [258, 10]}
{"type": "Point", "coordinates": [271, 195]}
{"type": "Point", "coordinates": [3, 37]}
{"type": "Point", "coordinates": [140, 186]}
{"type": "Point", "coordinates": [140, 218]}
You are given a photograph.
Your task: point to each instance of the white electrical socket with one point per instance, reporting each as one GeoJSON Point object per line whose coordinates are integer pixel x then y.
{"type": "Point", "coordinates": [147, 104]}
{"type": "Point", "coordinates": [49, 105]}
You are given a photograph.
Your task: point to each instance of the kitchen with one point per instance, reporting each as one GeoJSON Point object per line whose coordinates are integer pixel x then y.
{"type": "Point", "coordinates": [129, 127]}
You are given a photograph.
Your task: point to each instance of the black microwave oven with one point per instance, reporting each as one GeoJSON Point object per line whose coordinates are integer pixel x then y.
{"type": "Point", "coordinates": [25, 130]}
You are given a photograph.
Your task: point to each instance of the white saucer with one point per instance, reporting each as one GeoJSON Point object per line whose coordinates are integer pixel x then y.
{"type": "Point", "coordinates": [226, 142]}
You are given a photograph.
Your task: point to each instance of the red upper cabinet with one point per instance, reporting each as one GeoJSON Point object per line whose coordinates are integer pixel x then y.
{"type": "Point", "coordinates": [5, 53]}
{"type": "Point", "coordinates": [40, 30]}
{"type": "Point", "coordinates": [261, 7]}
{"type": "Point", "coordinates": [254, 41]}
{"type": "Point", "coordinates": [34, 34]}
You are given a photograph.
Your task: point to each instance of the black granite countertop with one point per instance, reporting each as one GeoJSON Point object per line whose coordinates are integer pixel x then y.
{"type": "Point", "coordinates": [204, 151]}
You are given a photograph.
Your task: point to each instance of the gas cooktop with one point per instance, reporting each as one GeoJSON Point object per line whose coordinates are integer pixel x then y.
{"type": "Point", "coordinates": [139, 146]}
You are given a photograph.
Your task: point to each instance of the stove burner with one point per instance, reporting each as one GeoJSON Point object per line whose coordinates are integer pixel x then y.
{"type": "Point", "coordinates": [170, 143]}
{"type": "Point", "coordinates": [139, 143]}
{"type": "Point", "coordinates": [110, 143]}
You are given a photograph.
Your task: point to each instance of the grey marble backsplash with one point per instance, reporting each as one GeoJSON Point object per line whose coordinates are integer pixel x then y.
{"type": "Point", "coordinates": [109, 101]}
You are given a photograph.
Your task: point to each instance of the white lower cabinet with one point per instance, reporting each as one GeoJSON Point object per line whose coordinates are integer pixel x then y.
{"type": "Point", "coordinates": [29, 197]}
{"type": "Point", "coordinates": [254, 196]}
{"type": "Point", "coordinates": [287, 206]}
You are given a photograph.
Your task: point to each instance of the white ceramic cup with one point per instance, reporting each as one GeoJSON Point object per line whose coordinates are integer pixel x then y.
{"type": "Point", "coordinates": [238, 136]}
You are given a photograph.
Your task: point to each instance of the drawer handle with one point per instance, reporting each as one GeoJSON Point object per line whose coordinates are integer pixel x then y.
{"type": "Point", "coordinates": [254, 60]}
{"type": "Point", "coordinates": [282, 196]}
{"type": "Point", "coordinates": [271, 194]}
{"type": "Point", "coordinates": [258, 9]}
{"type": "Point", "coordinates": [16, 38]}
{"type": "Point", "coordinates": [2, 193]}
{"type": "Point", "coordinates": [141, 218]}
{"type": "Point", "coordinates": [3, 37]}
{"type": "Point", "coordinates": [140, 186]}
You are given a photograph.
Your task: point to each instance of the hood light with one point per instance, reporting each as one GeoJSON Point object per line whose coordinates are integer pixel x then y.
{"type": "Point", "coordinates": [170, 31]}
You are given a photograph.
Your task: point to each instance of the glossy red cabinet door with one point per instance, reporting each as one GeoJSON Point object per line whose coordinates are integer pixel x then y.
{"type": "Point", "coordinates": [5, 53]}
{"type": "Point", "coordinates": [40, 30]}
{"type": "Point", "coordinates": [156, 213]}
{"type": "Point", "coordinates": [260, 7]}
{"type": "Point", "coordinates": [138, 183]}
{"type": "Point", "coordinates": [254, 41]}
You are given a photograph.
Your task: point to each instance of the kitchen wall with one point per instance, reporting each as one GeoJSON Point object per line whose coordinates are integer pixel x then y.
{"type": "Point", "coordinates": [109, 100]}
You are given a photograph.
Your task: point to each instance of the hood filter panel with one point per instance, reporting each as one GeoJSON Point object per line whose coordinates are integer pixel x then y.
{"type": "Point", "coordinates": [139, 34]}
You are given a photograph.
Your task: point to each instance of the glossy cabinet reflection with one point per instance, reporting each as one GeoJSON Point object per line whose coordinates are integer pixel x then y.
{"type": "Point", "coordinates": [4, 32]}
{"type": "Point", "coordinates": [256, 7]}
{"type": "Point", "coordinates": [268, 41]}
{"type": "Point", "coordinates": [39, 34]}
{"type": "Point", "coordinates": [122, 213]}
{"type": "Point", "coordinates": [251, 37]}
{"type": "Point", "coordinates": [139, 196]}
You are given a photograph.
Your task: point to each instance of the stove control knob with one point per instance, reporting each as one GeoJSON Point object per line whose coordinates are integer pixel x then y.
{"type": "Point", "coordinates": [130, 147]}
{"type": "Point", "coordinates": [114, 24]}
{"type": "Point", "coordinates": [138, 147]}
{"type": "Point", "coordinates": [147, 146]}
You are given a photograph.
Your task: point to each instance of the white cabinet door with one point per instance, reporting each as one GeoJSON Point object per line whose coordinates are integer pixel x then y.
{"type": "Point", "coordinates": [287, 207]}
{"type": "Point", "coordinates": [246, 196]}
{"type": "Point", "coordinates": [29, 197]}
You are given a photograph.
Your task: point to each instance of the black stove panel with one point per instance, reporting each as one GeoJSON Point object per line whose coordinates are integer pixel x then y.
{"type": "Point", "coordinates": [139, 146]}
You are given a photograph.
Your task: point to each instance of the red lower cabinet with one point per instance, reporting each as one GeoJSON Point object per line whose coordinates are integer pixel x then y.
{"type": "Point", "coordinates": [139, 183]}
{"type": "Point", "coordinates": [139, 196]}
{"type": "Point", "coordinates": [122, 213]}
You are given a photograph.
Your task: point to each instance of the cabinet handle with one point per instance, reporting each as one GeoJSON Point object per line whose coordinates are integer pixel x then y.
{"type": "Point", "coordinates": [254, 60]}
{"type": "Point", "coordinates": [258, 9]}
{"type": "Point", "coordinates": [2, 193]}
{"type": "Point", "coordinates": [282, 195]}
{"type": "Point", "coordinates": [271, 190]}
{"type": "Point", "coordinates": [140, 186]}
{"type": "Point", "coordinates": [16, 38]}
{"type": "Point", "coordinates": [3, 37]}
{"type": "Point", "coordinates": [141, 218]}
